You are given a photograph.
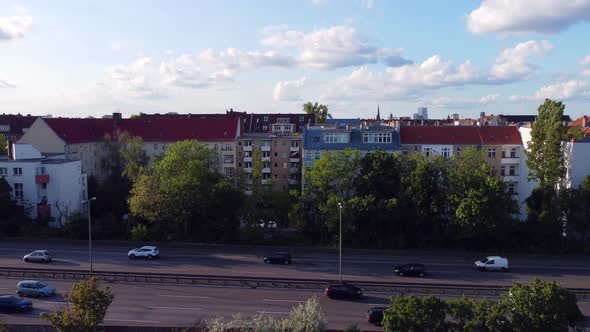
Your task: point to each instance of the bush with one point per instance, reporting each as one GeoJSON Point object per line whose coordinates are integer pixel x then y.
{"type": "Point", "coordinates": [139, 232]}
{"type": "Point", "coordinates": [413, 314]}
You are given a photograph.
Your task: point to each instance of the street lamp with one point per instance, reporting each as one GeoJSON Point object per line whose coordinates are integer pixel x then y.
{"type": "Point", "coordinates": [340, 246]}
{"type": "Point", "coordinates": [90, 233]}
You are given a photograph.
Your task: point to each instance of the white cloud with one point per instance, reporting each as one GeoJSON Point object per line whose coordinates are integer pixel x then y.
{"type": "Point", "coordinates": [14, 27]}
{"type": "Point", "coordinates": [465, 102]}
{"type": "Point", "coordinates": [4, 85]}
{"type": "Point", "coordinates": [234, 59]}
{"type": "Point", "coordinates": [119, 45]}
{"type": "Point", "coordinates": [139, 80]}
{"type": "Point", "coordinates": [289, 90]}
{"type": "Point", "coordinates": [328, 48]}
{"type": "Point", "coordinates": [585, 63]}
{"type": "Point", "coordinates": [185, 71]}
{"type": "Point", "coordinates": [526, 16]}
{"type": "Point", "coordinates": [572, 89]}
{"type": "Point", "coordinates": [513, 63]}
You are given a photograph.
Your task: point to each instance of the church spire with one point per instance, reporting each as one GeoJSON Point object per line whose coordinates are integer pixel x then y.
{"type": "Point", "coordinates": [378, 114]}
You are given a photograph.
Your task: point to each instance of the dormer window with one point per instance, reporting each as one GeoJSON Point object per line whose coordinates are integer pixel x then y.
{"type": "Point", "coordinates": [336, 137]}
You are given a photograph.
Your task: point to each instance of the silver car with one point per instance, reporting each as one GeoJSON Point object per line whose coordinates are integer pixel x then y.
{"type": "Point", "coordinates": [38, 256]}
{"type": "Point", "coordinates": [34, 288]}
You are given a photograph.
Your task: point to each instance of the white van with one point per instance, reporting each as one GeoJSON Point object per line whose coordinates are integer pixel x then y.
{"type": "Point", "coordinates": [492, 263]}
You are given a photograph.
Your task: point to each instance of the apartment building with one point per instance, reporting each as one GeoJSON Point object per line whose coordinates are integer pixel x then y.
{"type": "Point", "coordinates": [84, 139]}
{"type": "Point", "coordinates": [47, 187]}
{"type": "Point", "coordinates": [366, 137]}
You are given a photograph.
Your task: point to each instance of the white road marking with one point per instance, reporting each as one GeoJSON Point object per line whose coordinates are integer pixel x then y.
{"type": "Point", "coordinates": [185, 296]}
{"type": "Point", "coordinates": [293, 301]}
{"type": "Point", "coordinates": [133, 320]}
{"type": "Point", "coordinates": [274, 312]}
{"type": "Point", "coordinates": [177, 308]}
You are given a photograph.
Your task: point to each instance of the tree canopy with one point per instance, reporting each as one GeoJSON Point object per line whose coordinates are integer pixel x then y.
{"type": "Point", "coordinates": [319, 110]}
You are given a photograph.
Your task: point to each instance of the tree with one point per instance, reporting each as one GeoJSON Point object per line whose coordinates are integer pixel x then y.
{"type": "Point", "coordinates": [3, 144]}
{"type": "Point", "coordinates": [545, 159]}
{"type": "Point", "coordinates": [480, 203]}
{"type": "Point", "coordinates": [86, 306]}
{"type": "Point", "coordinates": [135, 160]}
{"type": "Point", "coordinates": [542, 306]}
{"type": "Point", "coordinates": [483, 315]}
{"type": "Point", "coordinates": [319, 110]}
{"type": "Point", "coordinates": [185, 196]}
{"type": "Point", "coordinates": [413, 314]}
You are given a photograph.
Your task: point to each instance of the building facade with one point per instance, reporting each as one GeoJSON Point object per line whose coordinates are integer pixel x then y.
{"type": "Point", "coordinates": [47, 187]}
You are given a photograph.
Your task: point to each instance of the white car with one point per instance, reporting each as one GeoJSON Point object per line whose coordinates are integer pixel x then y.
{"type": "Point", "coordinates": [492, 263]}
{"type": "Point", "coordinates": [148, 252]}
{"type": "Point", "coordinates": [38, 256]}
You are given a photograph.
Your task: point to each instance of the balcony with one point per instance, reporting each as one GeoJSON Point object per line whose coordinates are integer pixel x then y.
{"type": "Point", "coordinates": [263, 159]}
{"type": "Point", "coordinates": [293, 149]}
{"type": "Point", "coordinates": [293, 182]}
{"type": "Point", "coordinates": [247, 159]}
{"type": "Point", "coordinates": [43, 210]}
{"type": "Point", "coordinates": [511, 178]}
{"type": "Point", "coordinates": [294, 160]}
{"type": "Point", "coordinates": [248, 148]}
{"type": "Point", "coordinates": [248, 170]}
{"type": "Point", "coordinates": [293, 170]}
{"type": "Point", "coordinates": [265, 148]}
{"type": "Point", "coordinates": [264, 181]}
{"type": "Point", "coordinates": [42, 178]}
{"type": "Point", "coordinates": [266, 170]}
{"type": "Point", "coordinates": [509, 160]}
{"type": "Point", "coordinates": [228, 161]}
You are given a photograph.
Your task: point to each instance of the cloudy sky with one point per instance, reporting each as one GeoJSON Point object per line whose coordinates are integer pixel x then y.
{"type": "Point", "coordinates": [80, 58]}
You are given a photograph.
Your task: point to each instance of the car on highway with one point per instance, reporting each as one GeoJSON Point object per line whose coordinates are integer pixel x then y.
{"type": "Point", "coordinates": [492, 263]}
{"type": "Point", "coordinates": [278, 258]}
{"type": "Point", "coordinates": [34, 288]}
{"type": "Point", "coordinates": [14, 303]}
{"type": "Point", "coordinates": [343, 291]}
{"type": "Point", "coordinates": [42, 256]}
{"type": "Point", "coordinates": [375, 315]}
{"type": "Point", "coordinates": [410, 270]}
{"type": "Point", "coordinates": [148, 252]}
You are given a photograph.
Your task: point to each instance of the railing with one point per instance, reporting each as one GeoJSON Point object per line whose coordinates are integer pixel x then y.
{"type": "Point", "coordinates": [267, 282]}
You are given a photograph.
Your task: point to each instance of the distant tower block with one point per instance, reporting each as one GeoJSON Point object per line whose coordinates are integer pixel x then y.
{"type": "Point", "coordinates": [423, 112]}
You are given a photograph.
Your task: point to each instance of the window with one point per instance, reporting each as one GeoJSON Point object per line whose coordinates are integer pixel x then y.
{"type": "Point", "coordinates": [284, 165]}
{"type": "Point", "coordinates": [283, 143]}
{"type": "Point", "coordinates": [265, 154]}
{"type": "Point", "coordinates": [216, 147]}
{"type": "Point", "coordinates": [294, 144]}
{"type": "Point", "coordinates": [301, 118]}
{"type": "Point", "coordinates": [265, 165]}
{"type": "Point", "coordinates": [513, 153]}
{"type": "Point", "coordinates": [17, 171]}
{"type": "Point", "coordinates": [283, 154]}
{"type": "Point", "coordinates": [229, 171]}
{"type": "Point", "coordinates": [248, 143]}
{"type": "Point", "coordinates": [512, 188]}
{"type": "Point", "coordinates": [503, 170]}
{"type": "Point", "coordinates": [228, 147]}
{"type": "Point", "coordinates": [405, 152]}
{"type": "Point", "coordinates": [266, 118]}
{"type": "Point", "coordinates": [336, 137]}
{"type": "Point", "coordinates": [446, 152]}
{"type": "Point", "coordinates": [512, 170]}
{"type": "Point", "coordinates": [247, 165]}
{"type": "Point", "coordinates": [265, 128]}
{"type": "Point", "coordinates": [276, 154]}
{"type": "Point", "coordinates": [155, 147]}
{"type": "Point", "coordinates": [265, 176]}
{"type": "Point", "coordinates": [492, 153]}
{"type": "Point", "coordinates": [458, 150]}
{"type": "Point", "coordinates": [3, 171]}
{"type": "Point", "coordinates": [276, 165]}
{"type": "Point", "coordinates": [376, 137]}
{"type": "Point", "coordinates": [315, 139]}
{"type": "Point", "coordinates": [18, 190]}
{"type": "Point", "coordinates": [283, 120]}
{"type": "Point", "coordinates": [247, 154]}
{"type": "Point", "coordinates": [318, 155]}
{"type": "Point", "coordinates": [266, 143]}
{"type": "Point", "coordinates": [428, 152]}
{"type": "Point", "coordinates": [307, 155]}
{"type": "Point", "coordinates": [5, 128]}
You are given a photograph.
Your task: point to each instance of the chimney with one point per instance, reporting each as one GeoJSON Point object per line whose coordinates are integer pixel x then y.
{"type": "Point", "coordinates": [116, 120]}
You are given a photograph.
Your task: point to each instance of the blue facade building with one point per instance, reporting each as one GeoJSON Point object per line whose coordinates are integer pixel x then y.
{"type": "Point", "coordinates": [366, 137]}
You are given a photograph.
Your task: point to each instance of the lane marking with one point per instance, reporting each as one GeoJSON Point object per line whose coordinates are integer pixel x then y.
{"type": "Point", "coordinates": [185, 296]}
{"type": "Point", "coordinates": [291, 301]}
{"type": "Point", "coordinates": [133, 320]}
{"type": "Point", "coordinates": [252, 272]}
{"type": "Point", "coordinates": [274, 312]}
{"type": "Point", "coordinates": [177, 308]}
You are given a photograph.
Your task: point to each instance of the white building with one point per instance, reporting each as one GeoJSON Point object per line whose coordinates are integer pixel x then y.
{"type": "Point", "coordinates": [46, 186]}
{"type": "Point", "coordinates": [577, 162]}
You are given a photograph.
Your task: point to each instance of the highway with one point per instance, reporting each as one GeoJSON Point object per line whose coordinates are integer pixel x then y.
{"type": "Point", "coordinates": [165, 305]}
{"type": "Point", "coordinates": [570, 271]}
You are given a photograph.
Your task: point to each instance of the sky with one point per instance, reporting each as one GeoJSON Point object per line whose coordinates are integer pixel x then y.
{"type": "Point", "coordinates": [91, 58]}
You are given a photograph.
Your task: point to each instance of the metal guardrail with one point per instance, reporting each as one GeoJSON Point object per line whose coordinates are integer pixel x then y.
{"type": "Point", "coordinates": [266, 282]}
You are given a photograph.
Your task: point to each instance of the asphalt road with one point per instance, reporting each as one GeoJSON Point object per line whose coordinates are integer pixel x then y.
{"type": "Point", "coordinates": [165, 305]}
{"type": "Point", "coordinates": [570, 271]}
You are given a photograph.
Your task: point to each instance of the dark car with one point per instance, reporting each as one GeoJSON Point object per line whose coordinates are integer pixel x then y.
{"type": "Point", "coordinates": [278, 258]}
{"type": "Point", "coordinates": [410, 270]}
{"type": "Point", "coordinates": [375, 315]}
{"type": "Point", "coordinates": [14, 303]}
{"type": "Point", "coordinates": [343, 291]}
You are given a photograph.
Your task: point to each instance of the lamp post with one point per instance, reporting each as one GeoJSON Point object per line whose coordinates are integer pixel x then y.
{"type": "Point", "coordinates": [90, 233]}
{"type": "Point", "coordinates": [340, 246]}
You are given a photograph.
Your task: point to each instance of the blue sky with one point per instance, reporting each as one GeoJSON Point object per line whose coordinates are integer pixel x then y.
{"type": "Point", "coordinates": [81, 58]}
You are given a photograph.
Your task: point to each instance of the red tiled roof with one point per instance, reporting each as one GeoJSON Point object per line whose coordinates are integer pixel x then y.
{"type": "Point", "coordinates": [167, 130]}
{"type": "Point", "coordinates": [460, 135]}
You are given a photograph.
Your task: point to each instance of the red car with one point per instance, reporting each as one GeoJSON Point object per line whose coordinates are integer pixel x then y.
{"type": "Point", "coordinates": [343, 291]}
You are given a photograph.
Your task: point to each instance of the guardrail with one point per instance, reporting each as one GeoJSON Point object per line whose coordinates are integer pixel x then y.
{"type": "Point", "coordinates": [266, 282]}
